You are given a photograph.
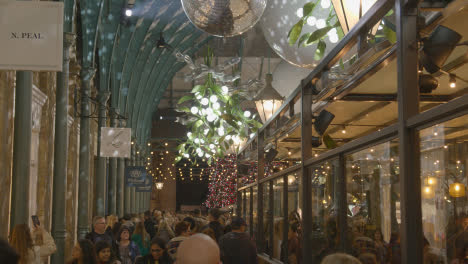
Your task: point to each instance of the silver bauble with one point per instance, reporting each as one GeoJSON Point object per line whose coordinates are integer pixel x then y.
{"type": "Point", "coordinates": [281, 15]}
{"type": "Point", "coordinates": [224, 18]}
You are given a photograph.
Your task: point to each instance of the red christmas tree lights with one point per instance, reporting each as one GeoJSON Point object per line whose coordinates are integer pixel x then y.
{"type": "Point", "coordinates": [223, 186]}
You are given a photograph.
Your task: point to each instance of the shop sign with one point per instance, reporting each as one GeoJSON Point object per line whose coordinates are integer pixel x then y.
{"type": "Point", "coordinates": [135, 176]}
{"type": "Point", "coordinates": [146, 187]}
{"type": "Point", "coordinates": [31, 35]}
{"type": "Point", "coordinates": [115, 142]}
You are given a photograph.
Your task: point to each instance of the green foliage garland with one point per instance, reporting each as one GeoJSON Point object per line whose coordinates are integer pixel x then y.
{"type": "Point", "coordinates": [217, 120]}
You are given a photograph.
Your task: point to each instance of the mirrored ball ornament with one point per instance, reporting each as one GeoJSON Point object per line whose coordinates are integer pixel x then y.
{"type": "Point", "coordinates": [281, 15]}
{"type": "Point", "coordinates": [224, 18]}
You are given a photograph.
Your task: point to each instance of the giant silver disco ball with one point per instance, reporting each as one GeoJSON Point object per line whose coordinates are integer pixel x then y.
{"type": "Point", "coordinates": [224, 18]}
{"type": "Point", "coordinates": [281, 15]}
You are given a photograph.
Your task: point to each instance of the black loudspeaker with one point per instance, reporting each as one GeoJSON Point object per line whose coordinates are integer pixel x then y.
{"type": "Point", "coordinates": [270, 155]}
{"type": "Point", "coordinates": [438, 47]}
{"type": "Point", "coordinates": [322, 121]}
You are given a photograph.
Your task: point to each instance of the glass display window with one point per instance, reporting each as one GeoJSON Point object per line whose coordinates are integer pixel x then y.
{"type": "Point", "coordinates": [255, 211]}
{"type": "Point", "coordinates": [247, 208]}
{"type": "Point", "coordinates": [444, 179]}
{"type": "Point", "coordinates": [324, 209]}
{"type": "Point", "coordinates": [373, 201]}
{"type": "Point", "coordinates": [278, 217]}
{"type": "Point", "coordinates": [266, 216]}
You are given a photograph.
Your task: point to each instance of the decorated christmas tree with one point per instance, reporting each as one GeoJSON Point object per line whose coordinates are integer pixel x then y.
{"type": "Point", "coordinates": [222, 186]}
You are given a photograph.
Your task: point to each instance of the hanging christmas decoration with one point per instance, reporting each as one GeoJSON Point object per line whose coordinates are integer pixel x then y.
{"type": "Point", "coordinates": [224, 18]}
{"type": "Point", "coordinates": [215, 119]}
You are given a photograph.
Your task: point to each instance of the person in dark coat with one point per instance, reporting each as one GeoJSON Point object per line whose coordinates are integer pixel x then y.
{"type": "Point", "coordinates": [218, 228]}
{"type": "Point", "coordinates": [150, 225]}
{"type": "Point", "coordinates": [236, 246]}
{"type": "Point", "coordinates": [99, 231]}
{"type": "Point", "coordinates": [158, 253]}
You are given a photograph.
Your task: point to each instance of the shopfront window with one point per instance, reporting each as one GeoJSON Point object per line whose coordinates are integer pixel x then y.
{"type": "Point", "coordinates": [266, 215]}
{"type": "Point", "coordinates": [373, 199]}
{"type": "Point", "coordinates": [247, 208]}
{"type": "Point", "coordinates": [294, 194]}
{"type": "Point", "coordinates": [277, 217]}
{"type": "Point", "coordinates": [444, 159]}
{"type": "Point", "coordinates": [255, 211]}
{"type": "Point", "coordinates": [324, 209]}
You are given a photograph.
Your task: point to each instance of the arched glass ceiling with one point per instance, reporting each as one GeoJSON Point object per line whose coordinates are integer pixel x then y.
{"type": "Point", "coordinates": [129, 64]}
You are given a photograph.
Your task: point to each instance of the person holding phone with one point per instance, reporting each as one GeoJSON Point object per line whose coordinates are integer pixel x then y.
{"type": "Point", "coordinates": [32, 248]}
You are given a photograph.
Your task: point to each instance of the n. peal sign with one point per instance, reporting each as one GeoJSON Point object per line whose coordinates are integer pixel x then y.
{"type": "Point", "coordinates": [31, 35]}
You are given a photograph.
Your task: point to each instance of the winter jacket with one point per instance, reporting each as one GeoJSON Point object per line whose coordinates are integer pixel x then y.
{"type": "Point", "coordinates": [133, 252]}
{"type": "Point", "coordinates": [143, 244]}
{"type": "Point", "coordinates": [150, 228]}
{"type": "Point", "coordinates": [237, 248]}
{"type": "Point", "coordinates": [165, 234]}
{"type": "Point", "coordinates": [95, 237]}
{"type": "Point", "coordinates": [173, 245]}
{"type": "Point", "coordinates": [218, 229]}
{"type": "Point", "coordinates": [148, 259]}
{"type": "Point", "coordinates": [46, 249]}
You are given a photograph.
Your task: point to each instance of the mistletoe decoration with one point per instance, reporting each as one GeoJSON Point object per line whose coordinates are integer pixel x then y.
{"type": "Point", "coordinates": [215, 118]}
{"type": "Point", "coordinates": [333, 27]}
{"type": "Point", "coordinates": [318, 36]}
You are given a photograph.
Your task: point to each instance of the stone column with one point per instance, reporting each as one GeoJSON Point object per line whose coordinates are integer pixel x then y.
{"type": "Point", "coordinates": [100, 177]}
{"type": "Point", "coordinates": [6, 146]}
{"type": "Point", "coordinates": [120, 187]}
{"type": "Point", "coordinates": [120, 182]}
{"type": "Point", "coordinates": [132, 189]}
{"type": "Point", "coordinates": [138, 194]}
{"type": "Point", "coordinates": [87, 75]}
{"type": "Point", "coordinates": [133, 200]}
{"type": "Point", "coordinates": [38, 101]}
{"type": "Point", "coordinates": [112, 184]}
{"type": "Point", "coordinates": [127, 201]}
{"type": "Point", "coordinates": [71, 208]}
{"type": "Point", "coordinates": [61, 154]}
{"type": "Point", "coordinates": [21, 149]}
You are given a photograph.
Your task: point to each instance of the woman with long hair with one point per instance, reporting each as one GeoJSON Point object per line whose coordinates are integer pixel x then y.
{"type": "Point", "coordinates": [83, 253]}
{"type": "Point", "coordinates": [111, 220]}
{"type": "Point", "coordinates": [165, 231]}
{"type": "Point", "coordinates": [141, 238]}
{"type": "Point", "coordinates": [158, 253]}
{"type": "Point", "coordinates": [128, 250]}
{"type": "Point", "coordinates": [31, 250]}
{"type": "Point", "coordinates": [104, 253]}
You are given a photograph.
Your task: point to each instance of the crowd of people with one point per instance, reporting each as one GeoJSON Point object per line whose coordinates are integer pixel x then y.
{"type": "Point", "coordinates": [158, 237]}
{"type": "Point", "coordinates": [165, 238]}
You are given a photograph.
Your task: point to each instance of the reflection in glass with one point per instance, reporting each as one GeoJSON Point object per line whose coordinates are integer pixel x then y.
{"type": "Point", "coordinates": [277, 217]}
{"type": "Point", "coordinates": [324, 209]}
{"type": "Point", "coordinates": [444, 157]}
{"type": "Point", "coordinates": [266, 215]}
{"type": "Point", "coordinates": [247, 209]}
{"type": "Point", "coordinates": [241, 204]}
{"type": "Point", "coordinates": [373, 198]}
{"type": "Point", "coordinates": [294, 218]}
{"type": "Point", "coordinates": [294, 193]}
{"type": "Point", "coordinates": [255, 211]}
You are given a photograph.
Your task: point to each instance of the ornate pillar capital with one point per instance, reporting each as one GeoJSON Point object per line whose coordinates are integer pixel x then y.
{"type": "Point", "coordinates": [103, 96]}
{"type": "Point", "coordinates": [69, 40]}
{"type": "Point", "coordinates": [87, 73]}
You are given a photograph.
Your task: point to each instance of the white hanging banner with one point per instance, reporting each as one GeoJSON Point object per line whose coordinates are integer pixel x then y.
{"type": "Point", "coordinates": [31, 35]}
{"type": "Point", "coordinates": [115, 142]}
